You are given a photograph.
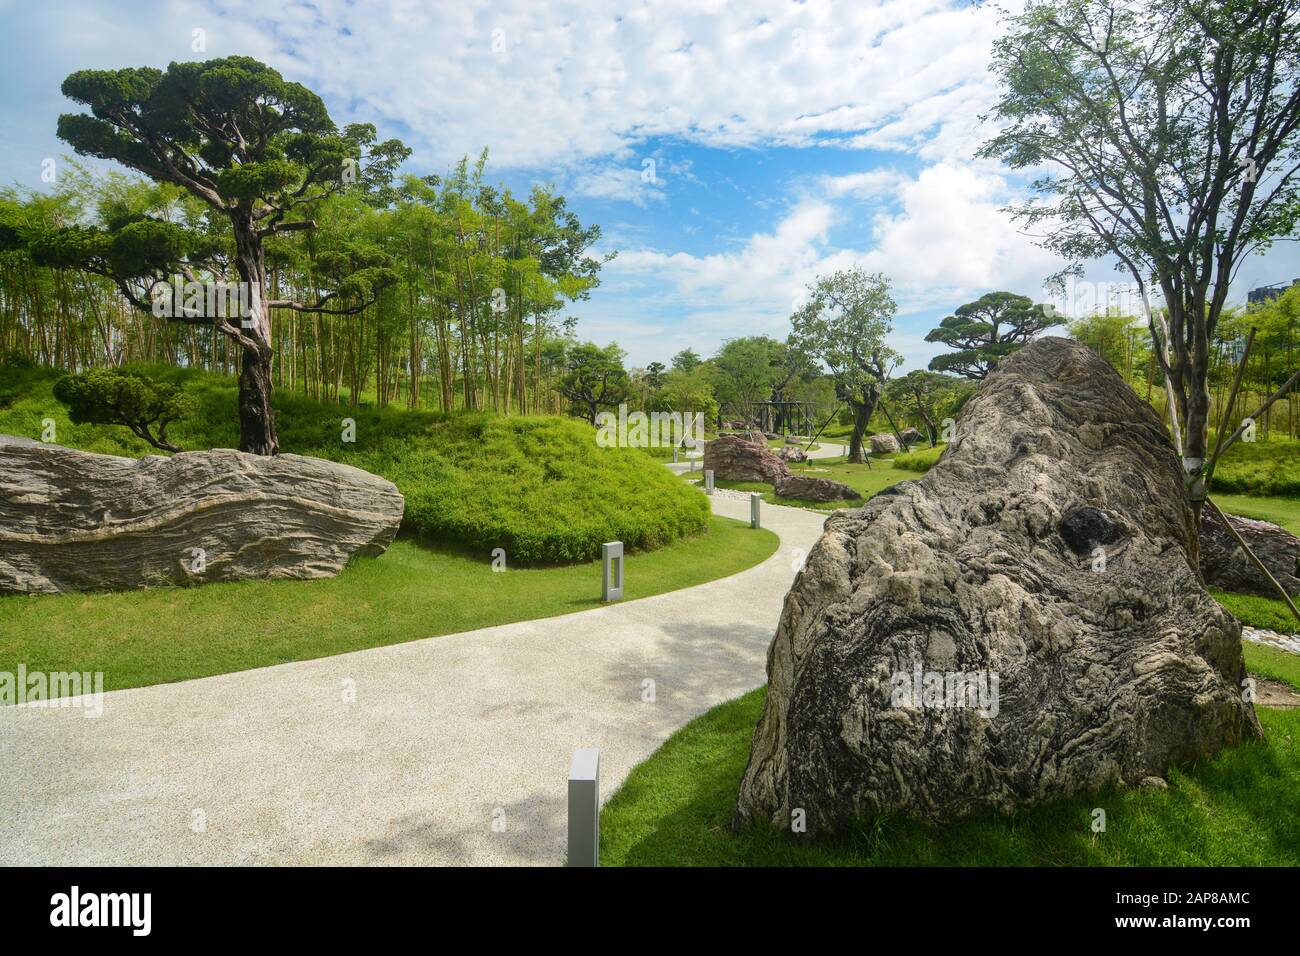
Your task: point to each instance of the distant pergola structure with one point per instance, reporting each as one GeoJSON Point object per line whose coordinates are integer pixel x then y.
{"type": "Point", "coordinates": [800, 413]}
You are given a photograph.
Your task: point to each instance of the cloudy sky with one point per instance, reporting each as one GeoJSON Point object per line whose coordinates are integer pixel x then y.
{"type": "Point", "coordinates": [730, 152]}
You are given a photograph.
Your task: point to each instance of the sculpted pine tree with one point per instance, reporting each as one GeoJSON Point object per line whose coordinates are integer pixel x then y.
{"type": "Point", "coordinates": [259, 151]}
{"type": "Point", "coordinates": [986, 330]}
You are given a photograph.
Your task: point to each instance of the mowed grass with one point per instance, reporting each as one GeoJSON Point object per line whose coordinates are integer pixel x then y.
{"type": "Point", "coordinates": [168, 634]}
{"type": "Point", "coordinates": [866, 481]}
{"type": "Point", "coordinates": [1240, 807]}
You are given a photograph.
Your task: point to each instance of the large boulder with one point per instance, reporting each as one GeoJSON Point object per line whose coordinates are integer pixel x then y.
{"type": "Point", "coordinates": [1225, 565]}
{"type": "Point", "coordinates": [789, 453]}
{"type": "Point", "coordinates": [913, 436]}
{"type": "Point", "coordinates": [1020, 624]}
{"type": "Point", "coordinates": [812, 488]}
{"type": "Point", "coordinates": [884, 444]}
{"type": "Point", "coordinates": [736, 458]}
{"type": "Point", "coordinates": [74, 521]}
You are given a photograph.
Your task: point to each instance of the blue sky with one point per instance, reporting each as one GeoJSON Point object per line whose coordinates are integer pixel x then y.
{"type": "Point", "coordinates": [787, 139]}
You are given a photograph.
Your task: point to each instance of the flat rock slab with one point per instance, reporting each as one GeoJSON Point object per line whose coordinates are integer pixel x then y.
{"type": "Point", "coordinates": [1022, 623]}
{"type": "Point", "coordinates": [76, 521]}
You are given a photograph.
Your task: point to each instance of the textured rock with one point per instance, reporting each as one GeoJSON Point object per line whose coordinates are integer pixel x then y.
{"type": "Point", "coordinates": [1226, 566]}
{"type": "Point", "coordinates": [1055, 674]}
{"type": "Point", "coordinates": [814, 489]}
{"type": "Point", "coordinates": [789, 453]}
{"type": "Point", "coordinates": [884, 444]}
{"type": "Point", "coordinates": [71, 520]}
{"type": "Point", "coordinates": [914, 437]}
{"type": "Point", "coordinates": [736, 458]}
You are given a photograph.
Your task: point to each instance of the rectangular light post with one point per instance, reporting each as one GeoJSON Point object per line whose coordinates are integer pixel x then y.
{"type": "Point", "coordinates": [674, 454]}
{"type": "Point", "coordinates": [755, 502]}
{"type": "Point", "coordinates": [612, 572]}
{"type": "Point", "coordinates": [584, 807]}
{"type": "Point", "coordinates": [708, 481]}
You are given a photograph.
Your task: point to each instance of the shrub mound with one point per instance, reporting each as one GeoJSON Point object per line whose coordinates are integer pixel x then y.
{"type": "Point", "coordinates": [919, 460]}
{"type": "Point", "coordinates": [538, 487]}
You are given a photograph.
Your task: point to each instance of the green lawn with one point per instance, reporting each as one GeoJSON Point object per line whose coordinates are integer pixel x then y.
{"type": "Point", "coordinates": [1282, 510]}
{"type": "Point", "coordinates": [1238, 808]}
{"type": "Point", "coordinates": [867, 481]}
{"type": "Point", "coordinates": [168, 634]}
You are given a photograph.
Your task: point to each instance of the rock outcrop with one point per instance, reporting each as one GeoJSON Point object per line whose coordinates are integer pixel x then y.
{"type": "Point", "coordinates": [811, 488]}
{"type": "Point", "coordinates": [1226, 566]}
{"type": "Point", "coordinates": [736, 458]}
{"type": "Point", "coordinates": [884, 444]}
{"type": "Point", "coordinates": [76, 521]}
{"type": "Point", "coordinates": [789, 453]}
{"type": "Point", "coordinates": [1022, 623]}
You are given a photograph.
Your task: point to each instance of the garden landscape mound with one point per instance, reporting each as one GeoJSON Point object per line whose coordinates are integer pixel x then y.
{"type": "Point", "coordinates": [1021, 623]}
{"type": "Point", "coordinates": [536, 486]}
{"type": "Point", "coordinates": [77, 521]}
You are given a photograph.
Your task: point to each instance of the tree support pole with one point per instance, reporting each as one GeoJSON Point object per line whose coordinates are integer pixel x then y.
{"type": "Point", "coordinates": [1254, 559]}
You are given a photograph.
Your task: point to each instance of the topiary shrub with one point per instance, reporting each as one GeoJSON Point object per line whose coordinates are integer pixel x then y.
{"type": "Point", "coordinates": [115, 397]}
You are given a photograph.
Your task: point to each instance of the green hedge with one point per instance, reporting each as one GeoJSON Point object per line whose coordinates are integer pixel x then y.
{"type": "Point", "coordinates": [539, 487]}
{"type": "Point", "coordinates": [920, 460]}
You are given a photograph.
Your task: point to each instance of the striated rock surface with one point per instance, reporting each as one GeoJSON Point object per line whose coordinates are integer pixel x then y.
{"type": "Point", "coordinates": [914, 437]}
{"type": "Point", "coordinates": [736, 458]}
{"type": "Point", "coordinates": [812, 488]}
{"type": "Point", "coordinates": [1022, 623]}
{"type": "Point", "coordinates": [1226, 566]}
{"type": "Point", "coordinates": [789, 453]}
{"type": "Point", "coordinates": [73, 521]}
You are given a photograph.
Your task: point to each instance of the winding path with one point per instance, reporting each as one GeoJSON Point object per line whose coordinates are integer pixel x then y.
{"type": "Point", "coordinates": [454, 751]}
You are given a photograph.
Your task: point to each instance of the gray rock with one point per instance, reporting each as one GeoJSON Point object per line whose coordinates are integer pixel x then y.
{"type": "Point", "coordinates": [966, 577]}
{"type": "Point", "coordinates": [789, 453]}
{"type": "Point", "coordinates": [76, 521]}
{"type": "Point", "coordinates": [884, 444]}
{"type": "Point", "coordinates": [811, 488]}
{"type": "Point", "coordinates": [1226, 566]}
{"type": "Point", "coordinates": [914, 437]}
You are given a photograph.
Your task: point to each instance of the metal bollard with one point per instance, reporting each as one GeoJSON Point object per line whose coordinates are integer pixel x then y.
{"type": "Point", "coordinates": [584, 807]}
{"type": "Point", "coordinates": [755, 501]}
{"type": "Point", "coordinates": [708, 482]}
{"type": "Point", "coordinates": [612, 571]}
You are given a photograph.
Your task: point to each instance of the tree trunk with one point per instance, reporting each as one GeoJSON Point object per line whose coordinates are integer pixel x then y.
{"type": "Point", "coordinates": [861, 415]}
{"type": "Point", "coordinates": [256, 420]}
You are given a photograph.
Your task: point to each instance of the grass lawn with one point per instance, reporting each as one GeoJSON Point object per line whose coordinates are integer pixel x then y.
{"type": "Point", "coordinates": [1282, 510]}
{"type": "Point", "coordinates": [1238, 808]}
{"type": "Point", "coordinates": [410, 592]}
{"type": "Point", "coordinates": [867, 481]}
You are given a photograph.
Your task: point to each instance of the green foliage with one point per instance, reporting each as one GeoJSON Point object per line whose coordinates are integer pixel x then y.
{"type": "Point", "coordinates": [594, 378]}
{"type": "Point", "coordinates": [920, 460]}
{"type": "Point", "coordinates": [984, 331]}
{"type": "Point", "coordinates": [1259, 468]}
{"type": "Point", "coordinates": [116, 397]}
{"type": "Point", "coordinates": [537, 486]}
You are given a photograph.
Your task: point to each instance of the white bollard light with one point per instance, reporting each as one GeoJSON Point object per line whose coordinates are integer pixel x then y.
{"type": "Point", "coordinates": [612, 573]}
{"type": "Point", "coordinates": [674, 454]}
{"type": "Point", "coordinates": [755, 502]}
{"type": "Point", "coordinates": [708, 481]}
{"type": "Point", "coordinates": [584, 807]}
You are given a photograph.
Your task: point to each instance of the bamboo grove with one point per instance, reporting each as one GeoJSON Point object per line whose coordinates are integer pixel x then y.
{"type": "Point", "coordinates": [472, 322]}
